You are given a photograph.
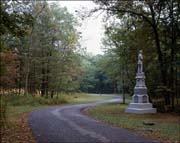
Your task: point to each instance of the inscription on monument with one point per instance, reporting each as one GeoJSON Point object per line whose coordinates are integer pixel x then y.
{"type": "Point", "coordinates": [144, 99]}
{"type": "Point", "coordinates": [135, 99]}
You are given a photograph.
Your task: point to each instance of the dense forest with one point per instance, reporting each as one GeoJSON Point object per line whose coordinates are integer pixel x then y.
{"type": "Point", "coordinates": [41, 54]}
{"type": "Point", "coordinates": [154, 27]}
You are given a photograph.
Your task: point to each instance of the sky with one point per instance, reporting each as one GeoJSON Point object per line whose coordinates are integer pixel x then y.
{"type": "Point", "coordinates": [92, 28]}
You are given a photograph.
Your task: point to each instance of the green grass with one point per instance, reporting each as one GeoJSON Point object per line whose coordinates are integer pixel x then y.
{"type": "Point", "coordinates": [16, 111]}
{"type": "Point", "coordinates": [166, 125]}
{"type": "Point", "coordinates": [89, 98]}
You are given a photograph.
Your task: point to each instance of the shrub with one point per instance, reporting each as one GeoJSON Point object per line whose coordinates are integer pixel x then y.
{"type": "Point", "coordinates": [17, 100]}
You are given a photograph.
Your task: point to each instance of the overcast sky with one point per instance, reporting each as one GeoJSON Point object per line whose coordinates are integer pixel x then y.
{"type": "Point", "coordinates": [92, 28]}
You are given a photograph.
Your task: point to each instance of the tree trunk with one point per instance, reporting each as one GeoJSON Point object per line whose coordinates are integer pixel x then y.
{"type": "Point", "coordinates": [160, 55]}
{"type": "Point", "coordinates": [20, 75]}
{"type": "Point", "coordinates": [47, 80]}
{"type": "Point", "coordinates": [43, 81]}
{"type": "Point", "coordinates": [173, 42]}
{"type": "Point", "coordinates": [27, 74]}
{"type": "Point", "coordinates": [52, 93]}
{"type": "Point", "coordinates": [115, 87]}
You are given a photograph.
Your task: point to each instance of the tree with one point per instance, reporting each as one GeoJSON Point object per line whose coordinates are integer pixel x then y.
{"type": "Point", "coordinates": [15, 17]}
{"type": "Point", "coordinates": [46, 56]}
{"type": "Point", "coordinates": [155, 18]}
{"type": "Point", "coordinates": [53, 50]}
{"type": "Point", "coordinates": [15, 20]}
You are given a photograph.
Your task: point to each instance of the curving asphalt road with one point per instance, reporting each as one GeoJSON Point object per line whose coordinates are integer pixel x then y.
{"type": "Point", "coordinates": [66, 124]}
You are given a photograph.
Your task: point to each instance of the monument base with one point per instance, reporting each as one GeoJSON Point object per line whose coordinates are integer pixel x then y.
{"type": "Point", "coordinates": [140, 108]}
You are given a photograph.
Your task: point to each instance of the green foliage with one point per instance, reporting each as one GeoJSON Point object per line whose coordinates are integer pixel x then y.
{"type": "Point", "coordinates": [14, 21]}
{"type": "Point", "coordinates": [55, 40]}
{"type": "Point", "coordinates": [152, 26]}
{"type": "Point", "coordinates": [17, 100]}
{"type": "Point", "coordinates": [93, 78]}
{"type": "Point", "coordinates": [46, 55]}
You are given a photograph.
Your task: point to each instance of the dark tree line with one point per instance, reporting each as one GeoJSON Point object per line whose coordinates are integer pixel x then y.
{"type": "Point", "coordinates": [153, 26]}
{"type": "Point", "coordinates": [93, 78]}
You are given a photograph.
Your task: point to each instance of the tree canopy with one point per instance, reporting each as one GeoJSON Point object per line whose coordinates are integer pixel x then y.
{"type": "Point", "coordinates": [152, 26]}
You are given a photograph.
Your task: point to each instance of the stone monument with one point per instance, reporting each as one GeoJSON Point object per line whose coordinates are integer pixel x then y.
{"type": "Point", "coordinates": [140, 100]}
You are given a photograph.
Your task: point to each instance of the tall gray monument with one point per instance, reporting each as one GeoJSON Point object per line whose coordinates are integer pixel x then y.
{"type": "Point", "coordinates": [140, 100]}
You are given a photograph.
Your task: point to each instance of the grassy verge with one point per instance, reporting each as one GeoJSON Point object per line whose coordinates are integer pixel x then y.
{"type": "Point", "coordinates": [77, 99]}
{"type": "Point", "coordinates": [166, 126]}
{"type": "Point", "coordinates": [16, 129]}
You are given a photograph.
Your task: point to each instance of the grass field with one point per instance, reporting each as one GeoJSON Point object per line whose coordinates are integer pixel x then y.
{"type": "Point", "coordinates": [89, 98]}
{"type": "Point", "coordinates": [166, 126]}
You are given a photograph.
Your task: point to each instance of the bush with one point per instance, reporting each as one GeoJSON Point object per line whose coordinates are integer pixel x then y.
{"type": "Point", "coordinates": [18, 100]}
{"type": "Point", "coordinates": [52, 101]}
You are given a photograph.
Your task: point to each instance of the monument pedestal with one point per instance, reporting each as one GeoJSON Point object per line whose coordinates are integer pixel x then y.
{"type": "Point", "coordinates": [140, 100]}
{"type": "Point", "coordinates": [140, 108]}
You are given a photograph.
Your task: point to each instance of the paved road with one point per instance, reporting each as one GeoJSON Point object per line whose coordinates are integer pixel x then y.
{"type": "Point", "coordinates": [66, 124]}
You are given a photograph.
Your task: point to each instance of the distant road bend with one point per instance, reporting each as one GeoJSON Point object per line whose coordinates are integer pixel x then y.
{"type": "Point", "coordinates": [66, 124]}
